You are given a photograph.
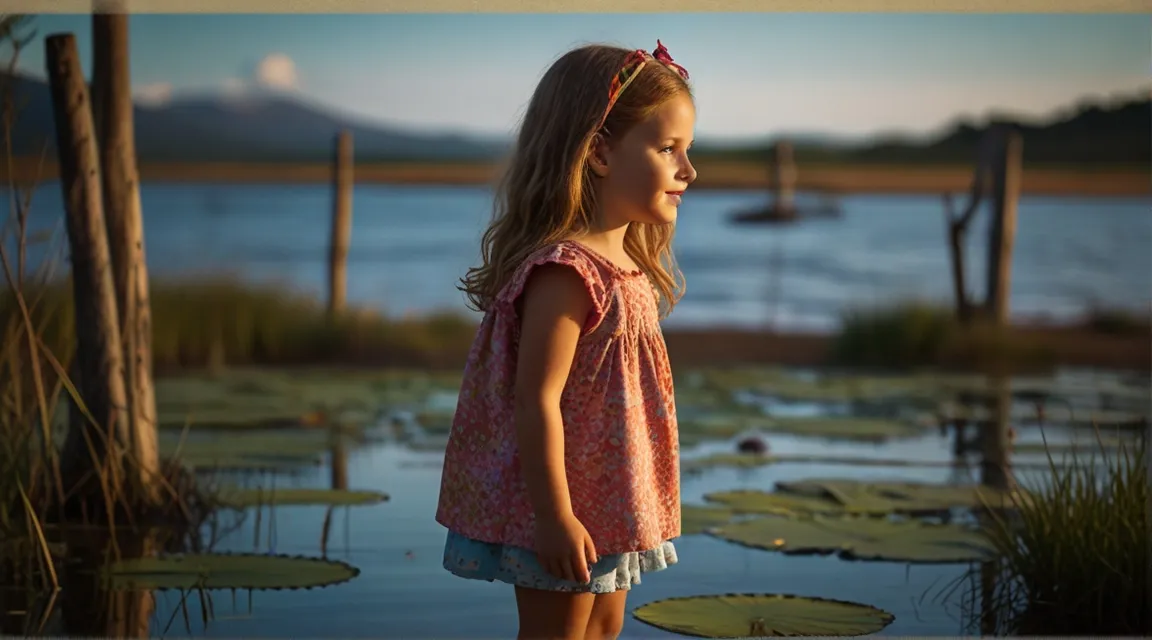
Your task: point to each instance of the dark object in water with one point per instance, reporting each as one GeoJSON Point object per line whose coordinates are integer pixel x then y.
{"type": "Point", "coordinates": [822, 204]}
{"type": "Point", "coordinates": [752, 444]}
{"type": "Point", "coordinates": [773, 214]}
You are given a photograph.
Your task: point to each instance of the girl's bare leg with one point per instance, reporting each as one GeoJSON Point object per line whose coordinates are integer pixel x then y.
{"type": "Point", "coordinates": [606, 620]}
{"type": "Point", "coordinates": [552, 615]}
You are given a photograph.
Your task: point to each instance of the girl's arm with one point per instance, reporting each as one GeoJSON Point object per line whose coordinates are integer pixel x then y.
{"type": "Point", "coordinates": [555, 304]}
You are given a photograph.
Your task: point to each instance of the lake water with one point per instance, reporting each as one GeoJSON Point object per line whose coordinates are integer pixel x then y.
{"type": "Point", "coordinates": [410, 244]}
{"type": "Point", "coordinates": [402, 591]}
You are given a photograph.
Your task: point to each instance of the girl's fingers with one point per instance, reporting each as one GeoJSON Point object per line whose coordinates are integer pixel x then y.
{"type": "Point", "coordinates": [580, 568]}
{"type": "Point", "coordinates": [590, 550]}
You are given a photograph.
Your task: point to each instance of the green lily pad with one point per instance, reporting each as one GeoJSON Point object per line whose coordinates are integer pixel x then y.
{"type": "Point", "coordinates": [861, 539]}
{"type": "Point", "coordinates": [241, 462]}
{"type": "Point", "coordinates": [695, 519]}
{"type": "Point", "coordinates": [1055, 414]}
{"type": "Point", "coordinates": [751, 461]}
{"type": "Point", "coordinates": [282, 444]}
{"type": "Point", "coordinates": [893, 496]}
{"type": "Point", "coordinates": [864, 429]}
{"type": "Point", "coordinates": [227, 571]}
{"type": "Point", "coordinates": [1068, 389]}
{"type": "Point", "coordinates": [720, 425]}
{"type": "Point", "coordinates": [247, 450]}
{"type": "Point", "coordinates": [254, 399]}
{"type": "Point", "coordinates": [851, 497]}
{"type": "Point", "coordinates": [243, 498]}
{"type": "Point", "coordinates": [429, 444]}
{"type": "Point", "coordinates": [747, 501]}
{"type": "Point", "coordinates": [1087, 446]}
{"type": "Point", "coordinates": [761, 615]}
{"type": "Point", "coordinates": [436, 422]}
{"type": "Point", "coordinates": [738, 460]}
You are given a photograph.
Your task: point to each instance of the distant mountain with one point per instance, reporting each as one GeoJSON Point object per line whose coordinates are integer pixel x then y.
{"type": "Point", "coordinates": [271, 128]}
{"type": "Point", "coordinates": [261, 128]}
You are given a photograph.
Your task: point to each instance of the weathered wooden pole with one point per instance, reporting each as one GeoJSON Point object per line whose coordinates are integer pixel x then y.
{"type": "Point", "coordinates": [121, 186]}
{"type": "Point", "coordinates": [997, 443]}
{"type": "Point", "coordinates": [98, 350]}
{"type": "Point", "coordinates": [342, 181]}
{"type": "Point", "coordinates": [783, 179]}
{"type": "Point", "coordinates": [1005, 193]}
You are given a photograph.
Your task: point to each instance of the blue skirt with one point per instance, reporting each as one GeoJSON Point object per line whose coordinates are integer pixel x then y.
{"type": "Point", "coordinates": [518, 566]}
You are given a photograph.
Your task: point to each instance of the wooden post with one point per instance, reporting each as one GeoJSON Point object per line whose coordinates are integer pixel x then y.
{"type": "Point", "coordinates": [98, 349]}
{"type": "Point", "coordinates": [956, 228]}
{"type": "Point", "coordinates": [342, 181]}
{"type": "Point", "coordinates": [987, 160]}
{"type": "Point", "coordinates": [121, 186]}
{"type": "Point", "coordinates": [783, 179]}
{"type": "Point", "coordinates": [1005, 193]}
{"type": "Point", "coordinates": [995, 444]}
{"type": "Point", "coordinates": [1006, 190]}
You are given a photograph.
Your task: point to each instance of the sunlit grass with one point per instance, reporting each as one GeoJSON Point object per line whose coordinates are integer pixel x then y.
{"type": "Point", "coordinates": [910, 334]}
{"type": "Point", "coordinates": [223, 321]}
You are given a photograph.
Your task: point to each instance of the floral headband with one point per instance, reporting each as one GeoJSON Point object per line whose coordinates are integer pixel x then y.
{"type": "Point", "coordinates": [631, 68]}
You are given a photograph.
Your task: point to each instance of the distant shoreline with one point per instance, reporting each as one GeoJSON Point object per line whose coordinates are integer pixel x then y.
{"type": "Point", "coordinates": [714, 174]}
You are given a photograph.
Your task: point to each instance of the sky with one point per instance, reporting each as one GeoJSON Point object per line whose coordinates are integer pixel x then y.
{"type": "Point", "coordinates": [753, 74]}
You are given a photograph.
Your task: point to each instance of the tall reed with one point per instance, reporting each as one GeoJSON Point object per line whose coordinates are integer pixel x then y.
{"type": "Point", "coordinates": [1074, 551]}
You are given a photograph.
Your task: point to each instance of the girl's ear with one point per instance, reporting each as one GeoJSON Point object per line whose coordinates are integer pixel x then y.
{"type": "Point", "coordinates": [598, 156]}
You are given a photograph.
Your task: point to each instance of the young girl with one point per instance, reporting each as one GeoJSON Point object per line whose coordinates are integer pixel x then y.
{"type": "Point", "coordinates": [561, 475]}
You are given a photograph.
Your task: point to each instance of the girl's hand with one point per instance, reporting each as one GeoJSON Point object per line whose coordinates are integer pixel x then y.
{"type": "Point", "coordinates": [565, 549]}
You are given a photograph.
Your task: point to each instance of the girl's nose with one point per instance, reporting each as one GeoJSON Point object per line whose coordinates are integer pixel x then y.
{"type": "Point", "coordinates": [688, 173]}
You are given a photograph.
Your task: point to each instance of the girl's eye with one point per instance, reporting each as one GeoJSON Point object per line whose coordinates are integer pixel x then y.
{"type": "Point", "coordinates": [667, 150]}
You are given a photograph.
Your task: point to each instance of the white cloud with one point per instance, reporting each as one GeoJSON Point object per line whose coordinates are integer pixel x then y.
{"type": "Point", "coordinates": [155, 94]}
{"type": "Point", "coordinates": [277, 71]}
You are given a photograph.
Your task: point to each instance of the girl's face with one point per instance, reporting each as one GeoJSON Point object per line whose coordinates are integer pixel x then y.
{"type": "Point", "coordinates": [645, 172]}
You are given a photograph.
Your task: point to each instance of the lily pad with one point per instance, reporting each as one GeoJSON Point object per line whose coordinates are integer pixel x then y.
{"type": "Point", "coordinates": [848, 388]}
{"type": "Point", "coordinates": [243, 498]}
{"type": "Point", "coordinates": [851, 497]}
{"type": "Point", "coordinates": [1087, 446]}
{"type": "Point", "coordinates": [432, 443]}
{"type": "Point", "coordinates": [247, 450]}
{"type": "Point", "coordinates": [738, 460]}
{"type": "Point", "coordinates": [751, 461]}
{"type": "Point", "coordinates": [241, 462]}
{"type": "Point", "coordinates": [761, 615]}
{"type": "Point", "coordinates": [696, 519]}
{"type": "Point", "coordinates": [247, 399]}
{"type": "Point", "coordinates": [720, 425]}
{"type": "Point", "coordinates": [880, 496]}
{"type": "Point", "coordinates": [1055, 414]}
{"type": "Point", "coordinates": [746, 501]}
{"type": "Point", "coordinates": [864, 429]}
{"type": "Point", "coordinates": [227, 571]}
{"type": "Point", "coordinates": [436, 422]}
{"type": "Point", "coordinates": [861, 539]}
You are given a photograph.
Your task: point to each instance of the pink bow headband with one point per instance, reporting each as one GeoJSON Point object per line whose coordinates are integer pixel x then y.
{"type": "Point", "coordinates": [631, 68]}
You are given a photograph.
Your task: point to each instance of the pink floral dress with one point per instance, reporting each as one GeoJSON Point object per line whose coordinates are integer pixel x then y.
{"type": "Point", "coordinates": [621, 445]}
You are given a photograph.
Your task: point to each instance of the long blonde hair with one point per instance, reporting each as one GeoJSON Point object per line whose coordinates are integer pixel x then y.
{"type": "Point", "coordinates": [546, 195]}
